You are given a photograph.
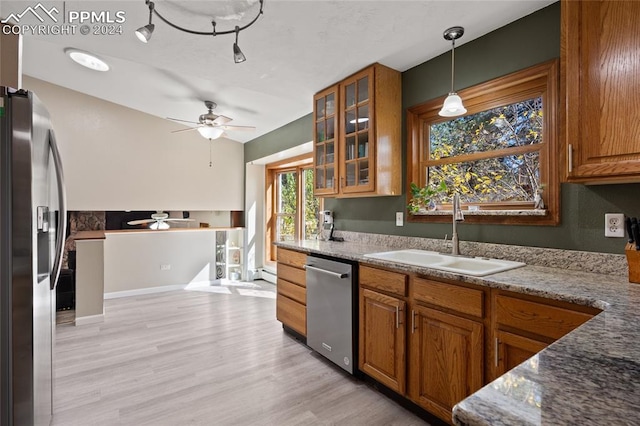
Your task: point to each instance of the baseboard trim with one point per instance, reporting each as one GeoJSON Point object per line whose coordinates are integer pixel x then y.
{"type": "Point", "coordinates": [269, 276]}
{"type": "Point", "coordinates": [147, 290]}
{"type": "Point", "coordinates": [89, 319]}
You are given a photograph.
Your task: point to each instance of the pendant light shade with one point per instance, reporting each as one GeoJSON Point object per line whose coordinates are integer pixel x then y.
{"type": "Point", "coordinates": [453, 106]}
{"type": "Point", "coordinates": [209, 132]}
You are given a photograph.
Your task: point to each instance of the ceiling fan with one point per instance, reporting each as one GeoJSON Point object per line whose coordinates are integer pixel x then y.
{"type": "Point", "coordinates": [210, 125]}
{"type": "Point", "coordinates": [158, 220]}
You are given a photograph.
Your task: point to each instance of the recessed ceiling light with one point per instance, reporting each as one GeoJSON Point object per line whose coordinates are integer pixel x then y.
{"type": "Point", "coordinates": [88, 60]}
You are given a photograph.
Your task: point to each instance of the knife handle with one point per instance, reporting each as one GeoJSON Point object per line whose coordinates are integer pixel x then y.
{"type": "Point", "coordinates": [627, 223]}
{"type": "Point", "coordinates": [635, 229]}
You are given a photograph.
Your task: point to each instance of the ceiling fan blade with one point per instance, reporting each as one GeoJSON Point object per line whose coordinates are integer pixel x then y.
{"type": "Point", "coordinates": [221, 119]}
{"type": "Point", "coordinates": [185, 130]}
{"type": "Point", "coordinates": [184, 121]}
{"type": "Point", "coordinates": [178, 220]}
{"type": "Point", "coordinates": [140, 222]}
{"type": "Point", "coordinates": [237, 127]}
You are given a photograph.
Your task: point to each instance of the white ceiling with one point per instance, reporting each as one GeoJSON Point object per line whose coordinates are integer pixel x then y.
{"type": "Point", "coordinates": [294, 50]}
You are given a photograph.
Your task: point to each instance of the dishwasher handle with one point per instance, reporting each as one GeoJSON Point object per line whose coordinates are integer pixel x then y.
{"type": "Point", "coordinates": [324, 271]}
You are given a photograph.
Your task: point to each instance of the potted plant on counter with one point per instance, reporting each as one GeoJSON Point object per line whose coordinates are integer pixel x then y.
{"type": "Point", "coordinates": [424, 198]}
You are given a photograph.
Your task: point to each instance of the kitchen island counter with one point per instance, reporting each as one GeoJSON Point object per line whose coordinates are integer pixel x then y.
{"type": "Point", "coordinates": [589, 376]}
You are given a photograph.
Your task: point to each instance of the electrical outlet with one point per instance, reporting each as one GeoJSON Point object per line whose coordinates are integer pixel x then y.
{"type": "Point", "coordinates": [399, 219]}
{"type": "Point", "coordinates": [614, 225]}
{"type": "Point", "coordinates": [165, 267]}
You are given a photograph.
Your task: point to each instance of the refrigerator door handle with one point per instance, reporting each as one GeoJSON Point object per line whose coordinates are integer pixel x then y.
{"type": "Point", "coordinates": [61, 227]}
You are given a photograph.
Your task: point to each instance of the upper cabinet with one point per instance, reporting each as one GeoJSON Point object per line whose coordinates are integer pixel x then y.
{"type": "Point", "coordinates": [600, 52]}
{"type": "Point", "coordinates": [357, 146]}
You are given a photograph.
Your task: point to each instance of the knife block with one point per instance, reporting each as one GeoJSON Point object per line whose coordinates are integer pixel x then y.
{"type": "Point", "coordinates": [633, 259]}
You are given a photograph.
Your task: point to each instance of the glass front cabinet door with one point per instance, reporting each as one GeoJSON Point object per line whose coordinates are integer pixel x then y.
{"type": "Point", "coordinates": [356, 162]}
{"type": "Point", "coordinates": [357, 147]}
{"type": "Point", "coordinates": [325, 141]}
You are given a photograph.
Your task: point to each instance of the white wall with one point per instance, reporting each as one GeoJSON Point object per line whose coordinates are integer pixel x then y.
{"type": "Point", "coordinates": [116, 158]}
{"type": "Point", "coordinates": [254, 216]}
{"type": "Point", "coordinates": [132, 260]}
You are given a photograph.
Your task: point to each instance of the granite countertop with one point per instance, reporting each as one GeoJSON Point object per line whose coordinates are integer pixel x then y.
{"type": "Point", "coordinates": [591, 376]}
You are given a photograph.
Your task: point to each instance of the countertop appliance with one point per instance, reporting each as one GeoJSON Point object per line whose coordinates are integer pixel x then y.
{"type": "Point", "coordinates": [32, 232]}
{"type": "Point", "coordinates": [330, 310]}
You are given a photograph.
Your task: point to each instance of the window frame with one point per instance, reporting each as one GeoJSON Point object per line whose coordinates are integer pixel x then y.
{"type": "Point", "coordinates": [538, 80]}
{"type": "Point", "coordinates": [296, 164]}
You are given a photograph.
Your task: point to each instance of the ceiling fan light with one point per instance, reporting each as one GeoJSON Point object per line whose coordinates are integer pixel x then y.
{"type": "Point", "coordinates": [452, 106]}
{"type": "Point", "coordinates": [209, 132]}
{"type": "Point", "coordinates": [238, 56]}
{"type": "Point", "coordinates": [159, 225]}
{"type": "Point", "coordinates": [144, 33]}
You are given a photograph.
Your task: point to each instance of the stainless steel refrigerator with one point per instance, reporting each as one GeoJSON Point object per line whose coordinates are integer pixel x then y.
{"type": "Point", "coordinates": [32, 233]}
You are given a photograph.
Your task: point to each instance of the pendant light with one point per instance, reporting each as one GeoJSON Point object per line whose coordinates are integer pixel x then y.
{"type": "Point", "coordinates": [452, 106]}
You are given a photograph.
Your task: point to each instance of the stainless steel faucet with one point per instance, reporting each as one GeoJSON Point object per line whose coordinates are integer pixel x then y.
{"type": "Point", "coordinates": [457, 217]}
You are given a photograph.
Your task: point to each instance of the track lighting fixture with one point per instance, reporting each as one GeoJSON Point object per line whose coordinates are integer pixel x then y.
{"type": "Point", "coordinates": [452, 104]}
{"type": "Point", "coordinates": [144, 33]}
{"type": "Point", "coordinates": [238, 56]}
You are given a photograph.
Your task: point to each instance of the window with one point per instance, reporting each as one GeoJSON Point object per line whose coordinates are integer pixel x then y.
{"type": "Point", "coordinates": [292, 210]}
{"type": "Point", "coordinates": [498, 156]}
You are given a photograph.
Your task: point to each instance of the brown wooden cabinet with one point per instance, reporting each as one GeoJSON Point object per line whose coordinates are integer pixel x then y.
{"type": "Point", "coordinates": [325, 137]}
{"type": "Point", "coordinates": [291, 297]}
{"type": "Point", "coordinates": [446, 344]}
{"type": "Point", "coordinates": [512, 350]}
{"type": "Point", "coordinates": [446, 360]}
{"type": "Point", "coordinates": [524, 325]}
{"type": "Point", "coordinates": [382, 338]}
{"type": "Point", "coordinates": [357, 146]}
{"type": "Point", "coordinates": [600, 53]}
{"type": "Point", "coordinates": [382, 326]}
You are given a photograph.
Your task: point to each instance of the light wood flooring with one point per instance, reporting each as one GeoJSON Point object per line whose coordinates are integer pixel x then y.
{"type": "Point", "coordinates": [210, 356]}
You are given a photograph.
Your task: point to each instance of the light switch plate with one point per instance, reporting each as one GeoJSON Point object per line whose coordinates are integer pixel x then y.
{"type": "Point", "coordinates": [614, 225]}
{"type": "Point", "coordinates": [399, 219]}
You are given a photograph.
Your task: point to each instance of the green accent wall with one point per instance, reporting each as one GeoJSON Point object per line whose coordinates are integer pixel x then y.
{"type": "Point", "coordinates": [528, 41]}
{"type": "Point", "coordinates": [293, 134]}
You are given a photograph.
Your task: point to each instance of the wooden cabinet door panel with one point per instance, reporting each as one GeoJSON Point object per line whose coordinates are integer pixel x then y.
{"type": "Point", "coordinates": [292, 258]}
{"type": "Point", "coordinates": [513, 350]}
{"type": "Point", "coordinates": [538, 318]}
{"type": "Point", "coordinates": [292, 314]}
{"type": "Point", "coordinates": [391, 282]}
{"type": "Point", "coordinates": [455, 297]}
{"type": "Point", "coordinates": [382, 339]}
{"type": "Point", "coordinates": [446, 360]}
{"type": "Point", "coordinates": [601, 55]}
{"type": "Point", "coordinates": [292, 291]}
{"type": "Point", "coordinates": [293, 275]}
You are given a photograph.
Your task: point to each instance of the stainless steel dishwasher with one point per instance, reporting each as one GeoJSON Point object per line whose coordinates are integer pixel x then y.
{"type": "Point", "coordinates": [331, 310]}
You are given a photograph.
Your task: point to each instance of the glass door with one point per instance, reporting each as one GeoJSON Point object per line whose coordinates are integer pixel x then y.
{"type": "Point", "coordinates": [325, 118]}
{"type": "Point", "coordinates": [286, 205]}
{"type": "Point", "coordinates": [357, 166]}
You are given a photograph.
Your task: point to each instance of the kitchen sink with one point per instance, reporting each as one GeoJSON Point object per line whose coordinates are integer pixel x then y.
{"type": "Point", "coordinates": [475, 266]}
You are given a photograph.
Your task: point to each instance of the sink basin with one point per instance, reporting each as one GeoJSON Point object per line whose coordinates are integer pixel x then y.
{"type": "Point", "coordinates": [475, 266]}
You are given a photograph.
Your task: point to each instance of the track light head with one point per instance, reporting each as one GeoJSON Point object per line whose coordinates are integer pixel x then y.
{"type": "Point", "coordinates": [144, 33]}
{"type": "Point", "coordinates": [238, 56]}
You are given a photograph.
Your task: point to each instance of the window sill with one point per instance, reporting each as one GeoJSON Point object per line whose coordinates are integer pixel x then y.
{"type": "Point", "coordinates": [520, 213]}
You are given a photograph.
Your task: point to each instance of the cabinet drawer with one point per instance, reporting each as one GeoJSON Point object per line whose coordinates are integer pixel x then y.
{"type": "Point", "coordinates": [538, 318]}
{"type": "Point", "coordinates": [391, 282]}
{"type": "Point", "coordinates": [449, 296]}
{"type": "Point", "coordinates": [291, 274]}
{"type": "Point", "coordinates": [290, 257]}
{"type": "Point", "coordinates": [292, 314]}
{"type": "Point", "coordinates": [292, 291]}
